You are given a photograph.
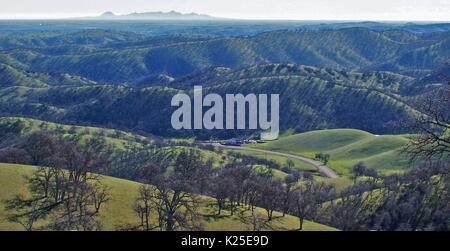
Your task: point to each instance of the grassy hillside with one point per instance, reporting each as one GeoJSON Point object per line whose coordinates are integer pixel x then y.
{"type": "Point", "coordinates": [113, 137]}
{"type": "Point", "coordinates": [315, 141]}
{"type": "Point", "coordinates": [347, 147]}
{"type": "Point", "coordinates": [118, 211]}
{"type": "Point", "coordinates": [298, 164]}
{"type": "Point", "coordinates": [119, 140]}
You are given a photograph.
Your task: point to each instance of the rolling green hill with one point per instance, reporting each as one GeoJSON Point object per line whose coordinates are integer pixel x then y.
{"type": "Point", "coordinates": [346, 148]}
{"type": "Point", "coordinates": [13, 77]}
{"type": "Point", "coordinates": [116, 138]}
{"type": "Point", "coordinates": [118, 211]}
{"type": "Point", "coordinates": [298, 164]}
{"type": "Point", "coordinates": [12, 127]}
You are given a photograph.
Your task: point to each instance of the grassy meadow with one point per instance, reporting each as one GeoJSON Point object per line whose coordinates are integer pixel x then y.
{"type": "Point", "coordinates": [346, 148]}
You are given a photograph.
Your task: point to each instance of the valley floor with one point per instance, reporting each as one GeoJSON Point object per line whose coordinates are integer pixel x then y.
{"type": "Point", "coordinates": [324, 169]}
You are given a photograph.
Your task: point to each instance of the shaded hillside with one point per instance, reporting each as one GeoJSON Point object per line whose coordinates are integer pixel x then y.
{"type": "Point", "coordinates": [352, 48]}
{"type": "Point", "coordinates": [311, 98]}
{"type": "Point", "coordinates": [88, 37]}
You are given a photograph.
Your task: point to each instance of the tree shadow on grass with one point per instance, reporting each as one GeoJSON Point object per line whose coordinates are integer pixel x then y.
{"type": "Point", "coordinates": [211, 213]}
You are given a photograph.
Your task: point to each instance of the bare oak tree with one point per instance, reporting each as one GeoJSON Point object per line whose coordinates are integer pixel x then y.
{"type": "Point", "coordinates": [64, 188]}
{"type": "Point", "coordinates": [432, 124]}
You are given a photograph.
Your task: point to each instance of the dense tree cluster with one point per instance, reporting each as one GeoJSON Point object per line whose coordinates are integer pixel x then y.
{"type": "Point", "coordinates": [65, 191]}
{"type": "Point", "coordinates": [416, 200]}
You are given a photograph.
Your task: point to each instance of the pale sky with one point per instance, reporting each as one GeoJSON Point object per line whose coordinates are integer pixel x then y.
{"type": "Point", "coordinates": [393, 10]}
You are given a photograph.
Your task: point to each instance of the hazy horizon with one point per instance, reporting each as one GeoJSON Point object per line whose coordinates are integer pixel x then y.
{"type": "Point", "coordinates": [326, 10]}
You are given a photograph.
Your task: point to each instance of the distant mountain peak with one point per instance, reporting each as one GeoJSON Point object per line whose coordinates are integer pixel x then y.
{"type": "Point", "coordinates": [155, 15]}
{"type": "Point", "coordinates": [108, 14]}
